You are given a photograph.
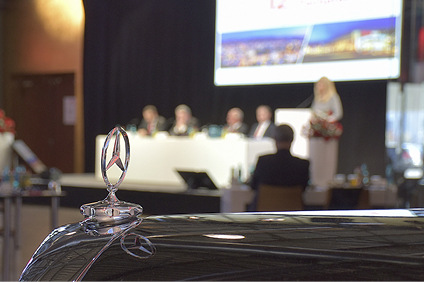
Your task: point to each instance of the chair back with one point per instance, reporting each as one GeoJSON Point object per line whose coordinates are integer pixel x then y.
{"type": "Point", "coordinates": [279, 198]}
{"type": "Point", "coordinates": [348, 198]}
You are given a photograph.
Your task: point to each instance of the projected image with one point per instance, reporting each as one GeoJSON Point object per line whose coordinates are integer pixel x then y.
{"type": "Point", "coordinates": [295, 41]}
{"type": "Point", "coordinates": [325, 42]}
{"type": "Point", "coordinates": [352, 41]}
{"type": "Point", "coordinates": [264, 47]}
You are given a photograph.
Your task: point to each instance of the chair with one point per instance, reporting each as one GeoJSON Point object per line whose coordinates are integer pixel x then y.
{"type": "Point", "coordinates": [279, 198]}
{"type": "Point", "coordinates": [348, 198]}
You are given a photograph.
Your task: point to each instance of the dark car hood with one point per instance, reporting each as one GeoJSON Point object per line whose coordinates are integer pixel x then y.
{"type": "Point", "coordinates": [327, 245]}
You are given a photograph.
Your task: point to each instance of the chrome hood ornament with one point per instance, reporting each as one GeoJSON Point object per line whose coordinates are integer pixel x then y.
{"type": "Point", "coordinates": [111, 222]}
{"type": "Point", "coordinates": [111, 210]}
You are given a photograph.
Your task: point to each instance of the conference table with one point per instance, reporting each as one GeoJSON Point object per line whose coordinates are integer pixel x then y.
{"type": "Point", "coordinates": [156, 160]}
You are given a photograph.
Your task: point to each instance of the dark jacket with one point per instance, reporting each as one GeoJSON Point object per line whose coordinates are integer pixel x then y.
{"type": "Point", "coordinates": [269, 132]}
{"type": "Point", "coordinates": [243, 129]}
{"type": "Point", "coordinates": [192, 126]}
{"type": "Point", "coordinates": [281, 168]}
{"type": "Point", "coordinates": [161, 125]}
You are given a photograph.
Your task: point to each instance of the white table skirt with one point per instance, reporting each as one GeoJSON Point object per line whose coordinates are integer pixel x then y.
{"type": "Point", "coordinates": [156, 160]}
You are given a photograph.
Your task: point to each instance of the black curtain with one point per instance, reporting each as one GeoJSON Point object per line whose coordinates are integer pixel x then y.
{"type": "Point", "coordinates": [139, 52]}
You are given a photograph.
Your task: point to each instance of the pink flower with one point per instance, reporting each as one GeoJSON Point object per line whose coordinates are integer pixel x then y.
{"type": "Point", "coordinates": [9, 125]}
{"type": "Point", "coordinates": [6, 123]}
{"type": "Point", "coordinates": [325, 129]}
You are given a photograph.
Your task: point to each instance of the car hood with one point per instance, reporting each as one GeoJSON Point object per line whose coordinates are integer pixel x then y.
{"type": "Point", "coordinates": [325, 245]}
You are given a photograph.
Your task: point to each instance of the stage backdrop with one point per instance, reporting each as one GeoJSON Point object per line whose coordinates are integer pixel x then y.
{"type": "Point", "coordinates": [161, 52]}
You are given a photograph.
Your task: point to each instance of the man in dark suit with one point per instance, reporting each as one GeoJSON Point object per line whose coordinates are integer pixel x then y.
{"type": "Point", "coordinates": [152, 122]}
{"type": "Point", "coordinates": [235, 122]}
{"type": "Point", "coordinates": [264, 126]}
{"type": "Point", "coordinates": [280, 168]}
{"type": "Point", "coordinates": [184, 123]}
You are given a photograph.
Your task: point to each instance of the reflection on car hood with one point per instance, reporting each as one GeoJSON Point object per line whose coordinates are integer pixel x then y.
{"type": "Point", "coordinates": [356, 245]}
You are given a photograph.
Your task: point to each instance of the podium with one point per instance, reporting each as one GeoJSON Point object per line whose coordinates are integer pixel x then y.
{"type": "Point", "coordinates": [322, 153]}
{"type": "Point", "coordinates": [297, 119]}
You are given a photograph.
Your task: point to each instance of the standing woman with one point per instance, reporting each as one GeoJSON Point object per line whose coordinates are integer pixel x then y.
{"type": "Point", "coordinates": [325, 130]}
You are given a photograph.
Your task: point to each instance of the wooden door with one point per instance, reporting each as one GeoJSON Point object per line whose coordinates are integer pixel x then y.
{"type": "Point", "coordinates": [43, 108]}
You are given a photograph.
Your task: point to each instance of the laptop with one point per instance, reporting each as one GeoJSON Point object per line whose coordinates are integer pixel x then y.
{"type": "Point", "coordinates": [197, 180]}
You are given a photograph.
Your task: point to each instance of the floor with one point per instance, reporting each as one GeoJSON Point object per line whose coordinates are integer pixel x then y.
{"type": "Point", "coordinates": [35, 227]}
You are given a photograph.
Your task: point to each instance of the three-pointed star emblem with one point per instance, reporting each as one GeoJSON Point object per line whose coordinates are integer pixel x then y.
{"type": "Point", "coordinates": [116, 159]}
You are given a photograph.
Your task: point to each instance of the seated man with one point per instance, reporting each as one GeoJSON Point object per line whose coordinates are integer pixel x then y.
{"type": "Point", "coordinates": [151, 122]}
{"type": "Point", "coordinates": [264, 126]}
{"type": "Point", "coordinates": [235, 123]}
{"type": "Point", "coordinates": [281, 168]}
{"type": "Point", "coordinates": [184, 123]}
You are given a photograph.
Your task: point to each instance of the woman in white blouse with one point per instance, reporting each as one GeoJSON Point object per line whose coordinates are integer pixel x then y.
{"type": "Point", "coordinates": [325, 131]}
{"type": "Point", "coordinates": [326, 104]}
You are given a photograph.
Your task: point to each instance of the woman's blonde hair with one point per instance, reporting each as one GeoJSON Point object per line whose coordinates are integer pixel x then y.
{"type": "Point", "coordinates": [328, 91]}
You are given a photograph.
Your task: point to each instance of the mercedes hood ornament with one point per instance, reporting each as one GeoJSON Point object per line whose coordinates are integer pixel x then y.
{"type": "Point", "coordinates": [111, 210]}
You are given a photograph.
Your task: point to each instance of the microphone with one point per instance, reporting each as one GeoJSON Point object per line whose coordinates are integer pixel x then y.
{"type": "Point", "coordinates": [306, 103]}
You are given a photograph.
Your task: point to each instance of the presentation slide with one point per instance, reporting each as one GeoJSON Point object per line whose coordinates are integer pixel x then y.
{"type": "Point", "coordinates": [296, 41]}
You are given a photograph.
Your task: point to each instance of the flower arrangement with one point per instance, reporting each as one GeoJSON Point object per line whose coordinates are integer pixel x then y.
{"type": "Point", "coordinates": [325, 129]}
{"type": "Point", "coordinates": [6, 123]}
{"type": "Point", "coordinates": [320, 125]}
